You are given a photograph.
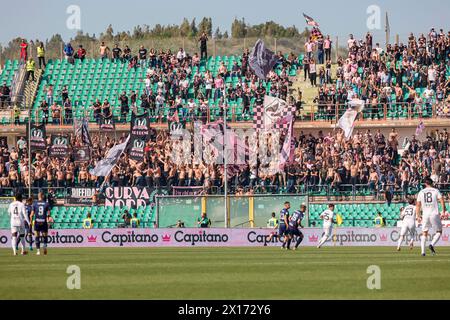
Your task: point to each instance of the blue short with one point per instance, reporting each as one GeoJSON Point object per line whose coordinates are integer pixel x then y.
{"type": "Point", "coordinates": [282, 230]}
{"type": "Point", "coordinates": [294, 232]}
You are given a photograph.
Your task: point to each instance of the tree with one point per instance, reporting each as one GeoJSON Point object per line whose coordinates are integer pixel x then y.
{"type": "Point", "coordinates": [225, 35]}
{"type": "Point", "coordinates": [185, 28]}
{"type": "Point", "coordinates": [218, 34]}
{"type": "Point", "coordinates": [238, 28]}
{"type": "Point", "coordinates": [193, 32]}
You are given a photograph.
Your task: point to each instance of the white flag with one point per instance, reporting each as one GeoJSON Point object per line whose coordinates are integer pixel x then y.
{"type": "Point", "coordinates": [274, 110]}
{"type": "Point", "coordinates": [104, 166]}
{"type": "Point", "coordinates": [347, 121]}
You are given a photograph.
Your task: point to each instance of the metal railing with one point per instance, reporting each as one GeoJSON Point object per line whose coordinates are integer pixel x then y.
{"type": "Point", "coordinates": [309, 113]}
{"type": "Point", "coordinates": [347, 191]}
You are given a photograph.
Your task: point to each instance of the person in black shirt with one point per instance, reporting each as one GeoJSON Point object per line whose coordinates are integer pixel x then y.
{"type": "Point", "coordinates": [116, 53]}
{"type": "Point", "coordinates": [124, 106]}
{"type": "Point", "coordinates": [97, 111]}
{"type": "Point", "coordinates": [203, 46]}
{"type": "Point", "coordinates": [127, 53]}
{"type": "Point", "coordinates": [143, 57]}
{"type": "Point", "coordinates": [4, 95]}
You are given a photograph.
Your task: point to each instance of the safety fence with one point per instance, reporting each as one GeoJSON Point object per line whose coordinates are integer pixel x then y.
{"type": "Point", "coordinates": [236, 113]}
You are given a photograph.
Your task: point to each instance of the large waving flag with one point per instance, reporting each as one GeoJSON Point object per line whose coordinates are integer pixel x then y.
{"type": "Point", "coordinates": [104, 166]}
{"type": "Point", "coordinates": [287, 152]}
{"type": "Point", "coordinates": [347, 122]}
{"type": "Point", "coordinates": [310, 21]}
{"type": "Point", "coordinates": [262, 60]}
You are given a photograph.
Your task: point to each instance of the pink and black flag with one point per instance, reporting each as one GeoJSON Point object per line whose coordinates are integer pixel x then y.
{"type": "Point", "coordinates": [420, 128]}
{"type": "Point", "coordinates": [310, 21]}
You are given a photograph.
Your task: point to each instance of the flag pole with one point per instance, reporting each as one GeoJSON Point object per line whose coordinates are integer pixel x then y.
{"type": "Point", "coordinates": [29, 153]}
{"type": "Point", "coordinates": [225, 164]}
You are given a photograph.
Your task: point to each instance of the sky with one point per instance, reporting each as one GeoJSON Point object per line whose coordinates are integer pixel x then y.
{"type": "Point", "coordinates": [40, 19]}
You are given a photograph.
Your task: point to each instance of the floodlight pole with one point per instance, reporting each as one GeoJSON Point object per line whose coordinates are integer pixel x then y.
{"type": "Point", "coordinates": [225, 164]}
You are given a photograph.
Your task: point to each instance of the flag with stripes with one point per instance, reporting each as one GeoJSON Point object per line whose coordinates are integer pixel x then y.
{"type": "Point", "coordinates": [224, 141]}
{"type": "Point", "coordinates": [269, 115]}
{"type": "Point", "coordinates": [310, 21]}
{"type": "Point", "coordinates": [82, 130]}
{"type": "Point", "coordinates": [287, 152]}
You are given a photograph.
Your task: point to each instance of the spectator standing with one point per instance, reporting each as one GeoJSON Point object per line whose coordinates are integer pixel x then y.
{"type": "Point", "coordinates": [68, 52]}
{"type": "Point", "coordinates": [320, 50]}
{"type": "Point", "coordinates": [31, 65]}
{"type": "Point", "coordinates": [327, 48]}
{"type": "Point", "coordinates": [41, 55]}
{"type": "Point", "coordinates": [103, 51]}
{"type": "Point", "coordinates": [81, 53]}
{"type": "Point", "coordinates": [116, 53]}
{"type": "Point", "coordinates": [142, 57]}
{"type": "Point", "coordinates": [4, 95]}
{"type": "Point", "coordinates": [23, 51]}
{"type": "Point", "coordinates": [203, 46]}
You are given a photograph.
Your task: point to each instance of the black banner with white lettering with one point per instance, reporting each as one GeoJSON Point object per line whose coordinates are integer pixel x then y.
{"type": "Point", "coordinates": [59, 147]}
{"type": "Point", "coordinates": [107, 124]}
{"type": "Point", "coordinates": [37, 136]}
{"type": "Point", "coordinates": [140, 126]}
{"type": "Point", "coordinates": [80, 196]}
{"type": "Point", "coordinates": [82, 154]}
{"type": "Point", "coordinates": [132, 197]}
{"type": "Point", "coordinates": [136, 148]}
{"type": "Point", "coordinates": [176, 128]}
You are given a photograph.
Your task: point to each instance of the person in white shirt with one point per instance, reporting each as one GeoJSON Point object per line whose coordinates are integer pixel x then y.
{"type": "Point", "coordinates": [181, 55]}
{"type": "Point", "coordinates": [18, 216]}
{"type": "Point", "coordinates": [327, 218]}
{"type": "Point", "coordinates": [428, 202]}
{"type": "Point", "coordinates": [408, 217]}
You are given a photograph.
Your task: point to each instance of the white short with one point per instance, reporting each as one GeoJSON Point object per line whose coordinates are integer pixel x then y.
{"type": "Point", "coordinates": [18, 230]}
{"type": "Point", "coordinates": [431, 221]}
{"type": "Point", "coordinates": [327, 230]}
{"type": "Point", "coordinates": [408, 226]}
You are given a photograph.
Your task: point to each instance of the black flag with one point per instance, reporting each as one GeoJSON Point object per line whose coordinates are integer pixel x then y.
{"type": "Point", "coordinates": [37, 136]}
{"type": "Point", "coordinates": [107, 123]}
{"type": "Point", "coordinates": [136, 148]}
{"type": "Point", "coordinates": [59, 147]}
{"type": "Point", "coordinates": [82, 154]}
{"type": "Point", "coordinates": [262, 60]}
{"type": "Point", "coordinates": [140, 126]}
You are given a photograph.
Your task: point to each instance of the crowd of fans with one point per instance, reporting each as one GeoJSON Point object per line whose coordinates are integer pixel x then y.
{"type": "Point", "coordinates": [180, 84]}
{"type": "Point", "coordinates": [411, 75]}
{"type": "Point", "coordinates": [369, 161]}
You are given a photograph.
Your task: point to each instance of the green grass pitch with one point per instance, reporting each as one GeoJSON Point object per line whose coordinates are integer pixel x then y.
{"type": "Point", "coordinates": [226, 273]}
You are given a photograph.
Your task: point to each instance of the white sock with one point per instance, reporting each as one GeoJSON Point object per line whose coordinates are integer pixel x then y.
{"type": "Point", "coordinates": [436, 238]}
{"type": "Point", "coordinates": [322, 241]}
{"type": "Point", "coordinates": [13, 244]}
{"type": "Point", "coordinates": [423, 240]}
{"type": "Point", "coordinates": [22, 242]}
{"type": "Point", "coordinates": [400, 240]}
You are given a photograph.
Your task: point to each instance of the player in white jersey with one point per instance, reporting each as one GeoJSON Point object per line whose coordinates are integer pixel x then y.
{"type": "Point", "coordinates": [408, 217]}
{"type": "Point", "coordinates": [428, 203]}
{"type": "Point", "coordinates": [328, 219]}
{"type": "Point", "coordinates": [18, 218]}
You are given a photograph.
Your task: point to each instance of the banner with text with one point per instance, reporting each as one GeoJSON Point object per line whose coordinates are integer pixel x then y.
{"type": "Point", "coordinates": [213, 237]}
